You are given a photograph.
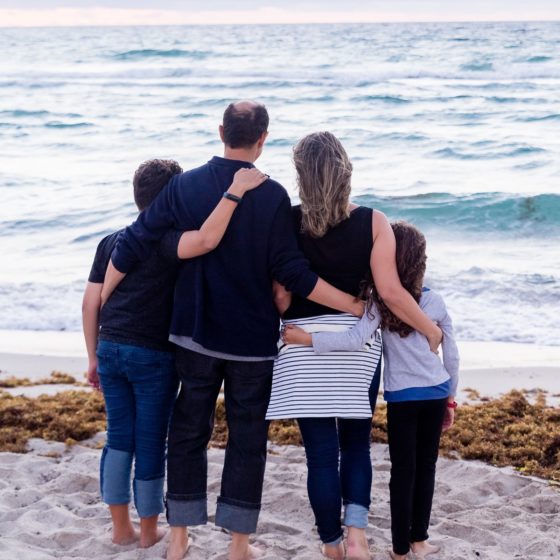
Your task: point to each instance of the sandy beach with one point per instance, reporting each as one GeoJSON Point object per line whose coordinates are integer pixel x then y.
{"type": "Point", "coordinates": [50, 506]}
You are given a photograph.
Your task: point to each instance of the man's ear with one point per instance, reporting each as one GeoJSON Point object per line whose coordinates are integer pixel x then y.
{"type": "Point", "coordinates": [262, 139]}
{"type": "Point", "coordinates": [221, 131]}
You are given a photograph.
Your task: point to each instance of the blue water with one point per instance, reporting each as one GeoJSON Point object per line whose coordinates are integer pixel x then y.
{"type": "Point", "coordinates": [452, 126]}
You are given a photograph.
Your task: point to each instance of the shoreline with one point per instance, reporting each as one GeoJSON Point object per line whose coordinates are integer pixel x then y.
{"type": "Point", "coordinates": [490, 368]}
{"type": "Point", "coordinates": [474, 354]}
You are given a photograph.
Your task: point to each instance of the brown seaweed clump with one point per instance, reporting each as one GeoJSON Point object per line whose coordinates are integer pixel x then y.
{"type": "Point", "coordinates": [56, 378]}
{"type": "Point", "coordinates": [68, 416]}
{"type": "Point", "coordinates": [509, 431]}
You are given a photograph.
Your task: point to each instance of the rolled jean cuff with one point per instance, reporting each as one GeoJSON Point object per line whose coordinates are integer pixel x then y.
{"type": "Point", "coordinates": [148, 496]}
{"type": "Point", "coordinates": [356, 515]}
{"type": "Point", "coordinates": [183, 511]}
{"type": "Point", "coordinates": [237, 518]}
{"type": "Point", "coordinates": [115, 470]}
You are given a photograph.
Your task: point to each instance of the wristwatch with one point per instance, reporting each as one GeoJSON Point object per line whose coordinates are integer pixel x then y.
{"type": "Point", "coordinates": [232, 197]}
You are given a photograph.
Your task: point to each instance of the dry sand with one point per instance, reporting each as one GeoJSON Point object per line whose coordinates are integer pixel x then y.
{"type": "Point", "coordinates": [50, 508]}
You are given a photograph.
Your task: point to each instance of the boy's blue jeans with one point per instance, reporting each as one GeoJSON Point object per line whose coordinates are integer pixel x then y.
{"type": "Point", "coordinates": [139, 386]}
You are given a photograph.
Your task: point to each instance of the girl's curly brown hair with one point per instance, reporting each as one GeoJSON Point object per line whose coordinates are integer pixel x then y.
{"type": "Point", "coordinates": [411, 266]}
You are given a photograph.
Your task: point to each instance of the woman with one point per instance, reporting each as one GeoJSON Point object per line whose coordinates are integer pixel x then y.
{"type": "Point", "coordinates": [333, 397]}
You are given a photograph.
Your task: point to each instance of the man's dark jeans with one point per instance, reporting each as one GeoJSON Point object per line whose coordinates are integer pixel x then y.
{"type": "Point", "coordinates": [247, 393]}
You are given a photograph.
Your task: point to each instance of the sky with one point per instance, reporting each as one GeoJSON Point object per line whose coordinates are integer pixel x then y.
{"type": "Point", "coordinates": [169, 12]}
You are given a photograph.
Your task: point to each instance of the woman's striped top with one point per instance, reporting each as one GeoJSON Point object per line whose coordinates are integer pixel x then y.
{"type": "Point", "coordinates": [308, 385]}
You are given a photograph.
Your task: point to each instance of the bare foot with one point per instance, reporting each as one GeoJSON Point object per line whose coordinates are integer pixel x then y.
{"type": "Point", "coordinates": [241, 553]}
{"type": "Point", "coordinates": [124, 536]}
{"type": "Point", "coordinates": [335, 552]}
{"type": "Point", "coordinates": [123, 531]}
{"type": "Point", "coordinates": [178, 543]}
{"type": "Point", "coordinates": [423, 548]}
{"type": "Point", "coordinates": [253, 553]}
{"type": "Point", "coordinates": [396, 556]}
{"type": "Point", "coordinates": [357, 547]}
{"type": "Point", "coordinates": [148, 540]}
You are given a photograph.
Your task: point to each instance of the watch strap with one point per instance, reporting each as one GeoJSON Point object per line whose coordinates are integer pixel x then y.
{"type": "Point", "coordinates": [232, 197]}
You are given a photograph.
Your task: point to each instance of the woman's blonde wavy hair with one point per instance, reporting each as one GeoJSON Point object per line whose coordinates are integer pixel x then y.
{"type": "Point", "coordinates": [324, 175]}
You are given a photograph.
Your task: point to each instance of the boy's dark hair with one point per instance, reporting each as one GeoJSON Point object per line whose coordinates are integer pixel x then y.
{"type": "Point", "coordinates": [411, 266]}
{"type": "Point", "coordinates": [244, 126]}
{"type": "Point", "coordinates": [150, 178]}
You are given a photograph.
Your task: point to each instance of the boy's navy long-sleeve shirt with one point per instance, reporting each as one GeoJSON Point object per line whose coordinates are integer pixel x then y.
{"type": "Point", "coordinates": [223, 299]}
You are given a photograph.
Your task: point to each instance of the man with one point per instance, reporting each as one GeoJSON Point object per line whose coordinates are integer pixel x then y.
{"type": "Point", "coordinates": [225, 325]}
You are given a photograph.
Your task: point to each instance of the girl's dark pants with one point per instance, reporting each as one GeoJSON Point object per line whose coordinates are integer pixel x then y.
{"type": "Point", "coordinates": [414, 430]}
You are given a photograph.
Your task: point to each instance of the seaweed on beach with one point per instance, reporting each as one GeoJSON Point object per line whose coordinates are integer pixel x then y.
{"type": "Point", "coordinates": [56, 378]}
{"type": "Point", "coordinates": [69, 416]}
{"type": "Point", "coordinates": [509, 431]}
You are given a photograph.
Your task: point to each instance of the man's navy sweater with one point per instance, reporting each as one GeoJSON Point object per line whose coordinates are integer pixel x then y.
{"type": "Point", "coordinates": [223, 299]}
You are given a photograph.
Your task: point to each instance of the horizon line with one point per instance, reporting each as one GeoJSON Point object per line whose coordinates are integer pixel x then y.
{"type": "Point", "coordinates": [259, 23]}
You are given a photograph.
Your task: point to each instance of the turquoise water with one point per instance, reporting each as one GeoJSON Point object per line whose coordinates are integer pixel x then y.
{"type": "Point", "coordinates": [452, 126]}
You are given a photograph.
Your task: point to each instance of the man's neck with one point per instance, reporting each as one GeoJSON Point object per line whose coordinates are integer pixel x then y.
{"type": "Point", "coordinates": [240, 154]}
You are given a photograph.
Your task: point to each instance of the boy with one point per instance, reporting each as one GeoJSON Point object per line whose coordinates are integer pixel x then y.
{"type": "Point", "coordinates": [130, 357]}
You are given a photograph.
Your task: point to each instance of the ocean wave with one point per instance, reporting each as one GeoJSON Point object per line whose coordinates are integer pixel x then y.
{"type": "Point", "coordinates": [192, 115]}
{"type": "Point", "coordinates": [506, 151]}
{"type": "Point", "coordinates": [535, 59]}
{"type": "Point", "coordinates": [38, 306]}
{"type": "Point", "coordinates": [478, 67]}
{"type": "Point", "coordinates": [141, 54]}
{"type": "Point", "coordinates": [59, 124]}
{"type": "Point", "coordinates": [76, 225]}
{"type": "Point", "coordinates": [395, 137]}
{"type": "Point", "coordinates": [533, 118]}
{"type": "Point", "coordinates": [529, 166]}
{"type": "Point", "coordinates": [495, 304]}
{"type": "Point", "coordinates": [392, 99]}
{"type": "Point", "coordinates": [96, 234]}
{"type": "Point", "coordinates": [480, 213]}
{"type": "Point", "coordinates": [488, 72]}
{"type": "Point", "coordinates": [18, 113]}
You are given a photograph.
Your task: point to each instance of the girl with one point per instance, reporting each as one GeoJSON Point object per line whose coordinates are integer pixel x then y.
{"type": "Point", "coordinates": [419, 390]}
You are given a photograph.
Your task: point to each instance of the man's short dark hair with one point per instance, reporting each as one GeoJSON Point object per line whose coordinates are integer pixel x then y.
{"type": "Point", "coordinates": [243, 126]}
{"type": "Point", "coordinates": [150, 178]}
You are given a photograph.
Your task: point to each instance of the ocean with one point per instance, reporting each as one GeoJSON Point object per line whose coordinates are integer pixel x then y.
{"type": "Point", "coordinates": [455, 127]}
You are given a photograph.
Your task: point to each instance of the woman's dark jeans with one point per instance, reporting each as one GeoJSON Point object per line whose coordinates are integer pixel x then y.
{"type": "Point", "coordinates": [414, 430]}
{"type": "Point", "coordinates": [139, 386]}
{"type": "Point", "coordinates": [247, 394]}
{"type": "Point", "coordinates": [330, 484]}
